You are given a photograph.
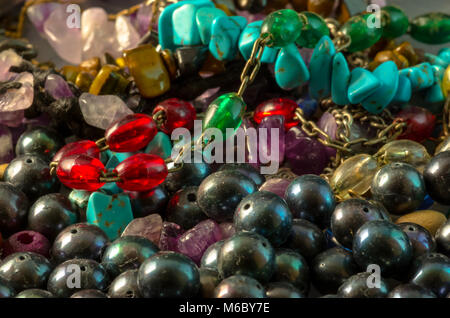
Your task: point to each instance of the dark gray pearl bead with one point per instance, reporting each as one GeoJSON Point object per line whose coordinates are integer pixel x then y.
{"type": "Point", "coordinates": [434, 274]}
{"type": "Point", "coordinates": [264, 213]}
{"type": "Point", "coordinates": [168, 274]}
{"type": "Point", "coordinates": [125, 285]}
{"type": "Point", "coordinates": [220, 193]}
{"type": "Point", "coordinates": [191, 174]}
{"type": "Point", "coordinates": [443, 238]}
{"type": "Point", "coordinates": [34, 293]}
{"type": "Point", "coordinates": [247, 170]}
{"type": "Point", "coordinates": [13, 209]}
{"type": "Point", "coordinates": [6, 290]}
{"type": "Point", "coordinates": [282, 290]}
{"type": "Point", "coordinates": [421, 240]}
{"type": "Point", "coordinates": [349, 216]}
{"type": "Point", "coordinates": [410, 291]}
{"type": "Point", "coordinates": [127, 252]}
{"type": "Point", "coordinates": [239, 286]}
{"type": "Point", "coordinates": [382, 243]}
{"type": "Point", "coordinates": [146, 203]}
{"type": "Point", "coordinates": [209, 279]}
{"type": "Point", "coordinates": [39, 141]}
{"type": "Point", "coordinates": [25, 270]}
{"type": "Point", "coordinates": [399, 187]}
{"type": "Point", "coordinates": [79, 240]}
{"type": "Point", "coordinates": [437, 178]}
{"type": "Point", "coordinates": [306, 239]}
{"type": "Point", "coordinates": [31, 174]}
{"type": "Point", "coordinates": [331, 268]}
{"type": "Point", "coordinates": [210, 257]}
{"type": "Point", "coordinates": [89, 293]}
{"type": "Point", "coordinates": [291, 267]}
{"type": "Point", "coordinates": [310, 197]}
{"type": "Point", "coordinates": [184, 210]}
{"type": "Point", "coordinates": [419, 261]}
{"type": "Point", "coordinates": [75, 275]}
{"type": "Point", "coordinates": [249, 254]}
{"type": "Point", "coordinates": [50, 214]}
{"type": "Point", "coordinates": [357, 287]}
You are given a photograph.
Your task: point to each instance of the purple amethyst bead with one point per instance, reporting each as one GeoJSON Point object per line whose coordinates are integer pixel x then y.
{"type": "Point", "coordinates": [57, 87]}
{"type": "Point", "coordinates": [276, 185]}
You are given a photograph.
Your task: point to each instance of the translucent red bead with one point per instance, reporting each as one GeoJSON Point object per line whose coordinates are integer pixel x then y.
{"type": "Point", "coordinates": [86, 147]}
{"type": "Point", "coordinates": [80, 172]}
{"type": "Point", "coordinates": [420, 123]}
{"type": "Point", "coordinates": [178, 113]}
{"type": "Point", "coordinates": [130, 133]}
{"type": "Point", "coordinates": [277, 106]}
{"type": "Point", "coordinates": [141, 172]}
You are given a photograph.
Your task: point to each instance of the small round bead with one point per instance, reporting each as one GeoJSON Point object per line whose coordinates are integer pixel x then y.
{"type": "Point", "coordinates": [89, 293]}
{"type": "Point", "coordinates": [443, 238]}
{"type": "Point", "coordinates": [125, 285]}
{"type": "Point", "coordinates": [184, 210]}
{"type": "Point", "coordinates": [39, 141]}
{"type": "Point", "coordinates": [239, 286]}
{"type": "Point", "coordinates": [13, 208]}
{"type": "Point", "coordinates": [437, 178]}
{"type": "Point", "coordinates": [190, 174]}
{"type": "Point", "coordinates": [313, 31]}
{"type": "Point", "coordinates": [209, 279]}
{"type": "Point", "coordinates": [410, 291]}
{"type": "Point", "coordinates": [284, 27]}
{"type": "Point", "coordinates": [177, 113]}
{"type": "Point", "coordinates": [34, 293]}
{"type": "Point", "coordinates": [27, 241]}
{"type": "Point", "coordinates": [282, 290]}
{"type": "Point", "coordinates": [81, 172]}
{"type": "Point", "coordinates": [434, 274]}
{"type": "Point", "coordinates": [148, 202]}
{"type": "Point", "coordinates": [247, 170]}
{"type": "Point", "coordinates": [306, 239]}
{"type": "Point", "coordinates": [6, 290]}
{"type": "Point", "coordinates": [210, 256]}
{"type": "Point", "coordinates": [357, 287]}
{"type": "Point", "coordinates": [292, 267]}
{"type": "Point", "coordinates": [421, 240]}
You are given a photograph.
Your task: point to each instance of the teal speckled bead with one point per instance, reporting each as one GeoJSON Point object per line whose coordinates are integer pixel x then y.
{"type": "Point", "coordinates": [204, 18]}
{"type": "Point", "coordinates": [320, 68]}
{"type": "Point", "coordinates": [404, 91]}
{"type": "Point", "coordinates": [340, 80]}
{"type": "Point", "coordinates": [290, 69]}
{"type": "Point", "coordinates": [387, 74]}
{"type": "Point", "coordinates": [434, 94]}
{"type": "Point", "coordinates": [225, 33]}
{"type": "Point", "coordinates": [160, 146]}
{"type": "Point", "coordinates": [111, 213]}
{"type": "Point", "coordinates": [362, 84]}
{"type": "Point", "coordinates": [185, 31]}
{"type": "Point", "coordinates": [247, 39]}
{"type": "Point", "coordinates": [421, 76]}
{"type": "Point", "coordinates": [284, 27]}
{"type": "Point", "coordinates": [444, 54]}
{"type": "Point", "coordinates": [436, 60]}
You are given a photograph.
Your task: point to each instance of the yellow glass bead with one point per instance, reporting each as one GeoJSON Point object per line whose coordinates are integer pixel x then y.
{"type": "Point", "coordinates": [2, 170]}
{"type": "Point", "coordinates": [121, 62]}
{"type": "Point", "coordinates": [443, 146]}
{"type": "Point", "coordinates": [446, 82]}
{"type": "Point", "coordinates": [354, 176]}
{"type": "Point", "coordinates": [91, 66]}
{"type": "Point", "coordinates": [84, 81]}
{"type": "Point", "coordinates": [70, 72]}
{"type": "Point", "coordinates": [109, 81]}
{"type": "Point", "coordinates": [148, 70]}
{"type": "Point", "coordinates": [406, 151]}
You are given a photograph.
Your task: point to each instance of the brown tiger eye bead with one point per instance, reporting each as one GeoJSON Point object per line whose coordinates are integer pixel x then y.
{"type": "Point", "coordinates": [322, 7]}
{"type": "Point", "coordinates": [407, 50]}
{"type": "Point", "coordinates": [384, 56]}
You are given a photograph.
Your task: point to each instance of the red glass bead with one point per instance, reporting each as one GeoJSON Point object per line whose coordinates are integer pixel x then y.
{"type": "Point", "coordinates": [80, 172]}
{"type": "Point", "coordinates": [130, 133]}
{"type": "Point", "coordinates": [141, 172]}
{"type": "Point", "coordinates": [277, 106]}
{"type": "Point", "coordinates": [178, 113]}
{"type": "Point", "coordinates": [86, 147]}
{"type": "Point", "coordinates": [420, 123]}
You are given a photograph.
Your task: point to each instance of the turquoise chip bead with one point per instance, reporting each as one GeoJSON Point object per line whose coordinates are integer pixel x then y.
{"type": "Point", "coordinates": [111, 213]}
{"type": "Point", "coordinates": [404, 91]}
{"type": "Point", "coordinates": [247, 39]}
{"type": "Point", "coordinates": [444, 54]}
{"type": "Point", "coordinates": [185, 31]}
{"type": "Point", "coordinates": [421, 76]}
{"type": "Point", "coordinates": [204, 18]}
{"type": "Point", "coordinates": [436, 60]}
{"type": "Point", "coordinates": [388, 75]}
{"type": "Point", "coordinates": [340, 80]}
{"type": "Point", "coordinates": [225, 35]}
{"type": "Point", "coordinates": [160, 146]}
{"type": "Point", "coordinates": [434, 94]}
{"type": "Point", "coordinates": [290, 69]}
{"type": "Point", "coordinates": [320, 68]}
{"type": "Point", "coordinates": [362, 84]}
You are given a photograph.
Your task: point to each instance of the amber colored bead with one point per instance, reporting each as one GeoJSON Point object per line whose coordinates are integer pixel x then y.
{"type": "Point", "coordinates": [407, 50]}
{"type": "Point", "coordinates": [446, 82]}
{"type": "Point", "coordinates": [91, 66]}
{"type": "Point", "coordinates": [147, 68]}
{"type": "Point", "coordinates": [322, 7]}
{"type": "Point", "coordinates": [382, 45]}
{"type": "Point", "coordinates": [84, 81]}
{"type": "Point", "coordinates": [300, 5]}
{"type": "Point", "coordinates": [384, 56]}
{"type": "Point", "coordinates": [211, 65]}
{"type": "Point", "coordinates": [70, 72]}
{"type": "Point", "coordinates": [2, 170]}
{"type": "Point", "coordinates": [109, 81]}
{"type": "Point", "coordinates": [344, 14]}
{"type": "Point", "coordinates": [169, 62]}
{"type": "Point", "coordinates": [429, 219]}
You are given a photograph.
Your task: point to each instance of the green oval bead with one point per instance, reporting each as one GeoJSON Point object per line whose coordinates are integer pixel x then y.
{"type": "Point", "coordinates": [285, 26]}
{"type": "Point", "coordinates": [313, 30]}
{"type": "Point", "coordinates": [362, 36]}
{"type": "Point", "coordinates": [225, 112]}
{"type": "Point", "coordinates": [397, 23]}
{"type": "Point", "coordinates": [431, 28]}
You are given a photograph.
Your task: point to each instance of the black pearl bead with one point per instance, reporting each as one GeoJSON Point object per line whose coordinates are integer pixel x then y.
{"type": "Point", "coordinates": [421, 240]}
{"type": "Point", "coordinates": [264, 213]}
{"type": "Point", "coordinates": [184, 210]}
{"type": "Point", "coordinates": [31, 174]}
{"type": "Point", "coordinates": [79, 240]}
{"type": "Point", "coordinates": [419, 261]}
{"type": "Point", "coordinates": [34, 293]}
{"type": "Point", "coordinates": [127, 252]}
{"type": "Point", "coordinates": [291, 267]}
{"type": "Point", "coordinates": [168, 274]}
{"type": "Point", "coordinates": [306, 239]}
{"type": "Point", "coordinates": [75, 275]}
{"type": "Point", "coordinates": [220, 193]}
{"type": "Point", "coordinates": [209, 279]}
{"type": "Point", "coordinates": [125, 285]}
{"type": "Point", "coordinates": [282, 290]}
{"type": "Point", "coordinates": [13, 209]}
{"type": "Point", "coordinates": [210, 257]}
{"type": "Point", "coordinates": [437, 178]}
{"type": "Point", "coordinates": [247, 170]}
{"type": "Point", "coordinates": [6, 290]}
{"type": "Point", "coordinates": [331, 268]}
{"type": "Point", "coordinates": [239, 286]}
{"type": "Point", "coordinates": [310, 197]}
{"type": "Point", "coordinates": [25, 270]}
{"type": "Point", "coordinates": [89, 293]}
{"type": "Point", "coordinates": [50, 214]}
{"type": "Point", "coordinates": [382, 243]}
{"type": "Point", "coordinates": [248, 254]}
{"type": "Point", "coordinates": [39, 141]}
{"type": "Point", "coordinates": [410, 291]}
{"type": "Point", "coordinates": [443, 238]}
{"type": "Point", "coordinates": [149, 202]}
{"type": "Point", "coordinates": [399, 187]}
{"type": "Point", "coordinates": [434, 274]}
{"type": "Point", "coordinates": [349, 216]}
{"type": "Point", "coordinates": [357, 287]}
{"type": "Point", "coordinates": [191, 174]}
